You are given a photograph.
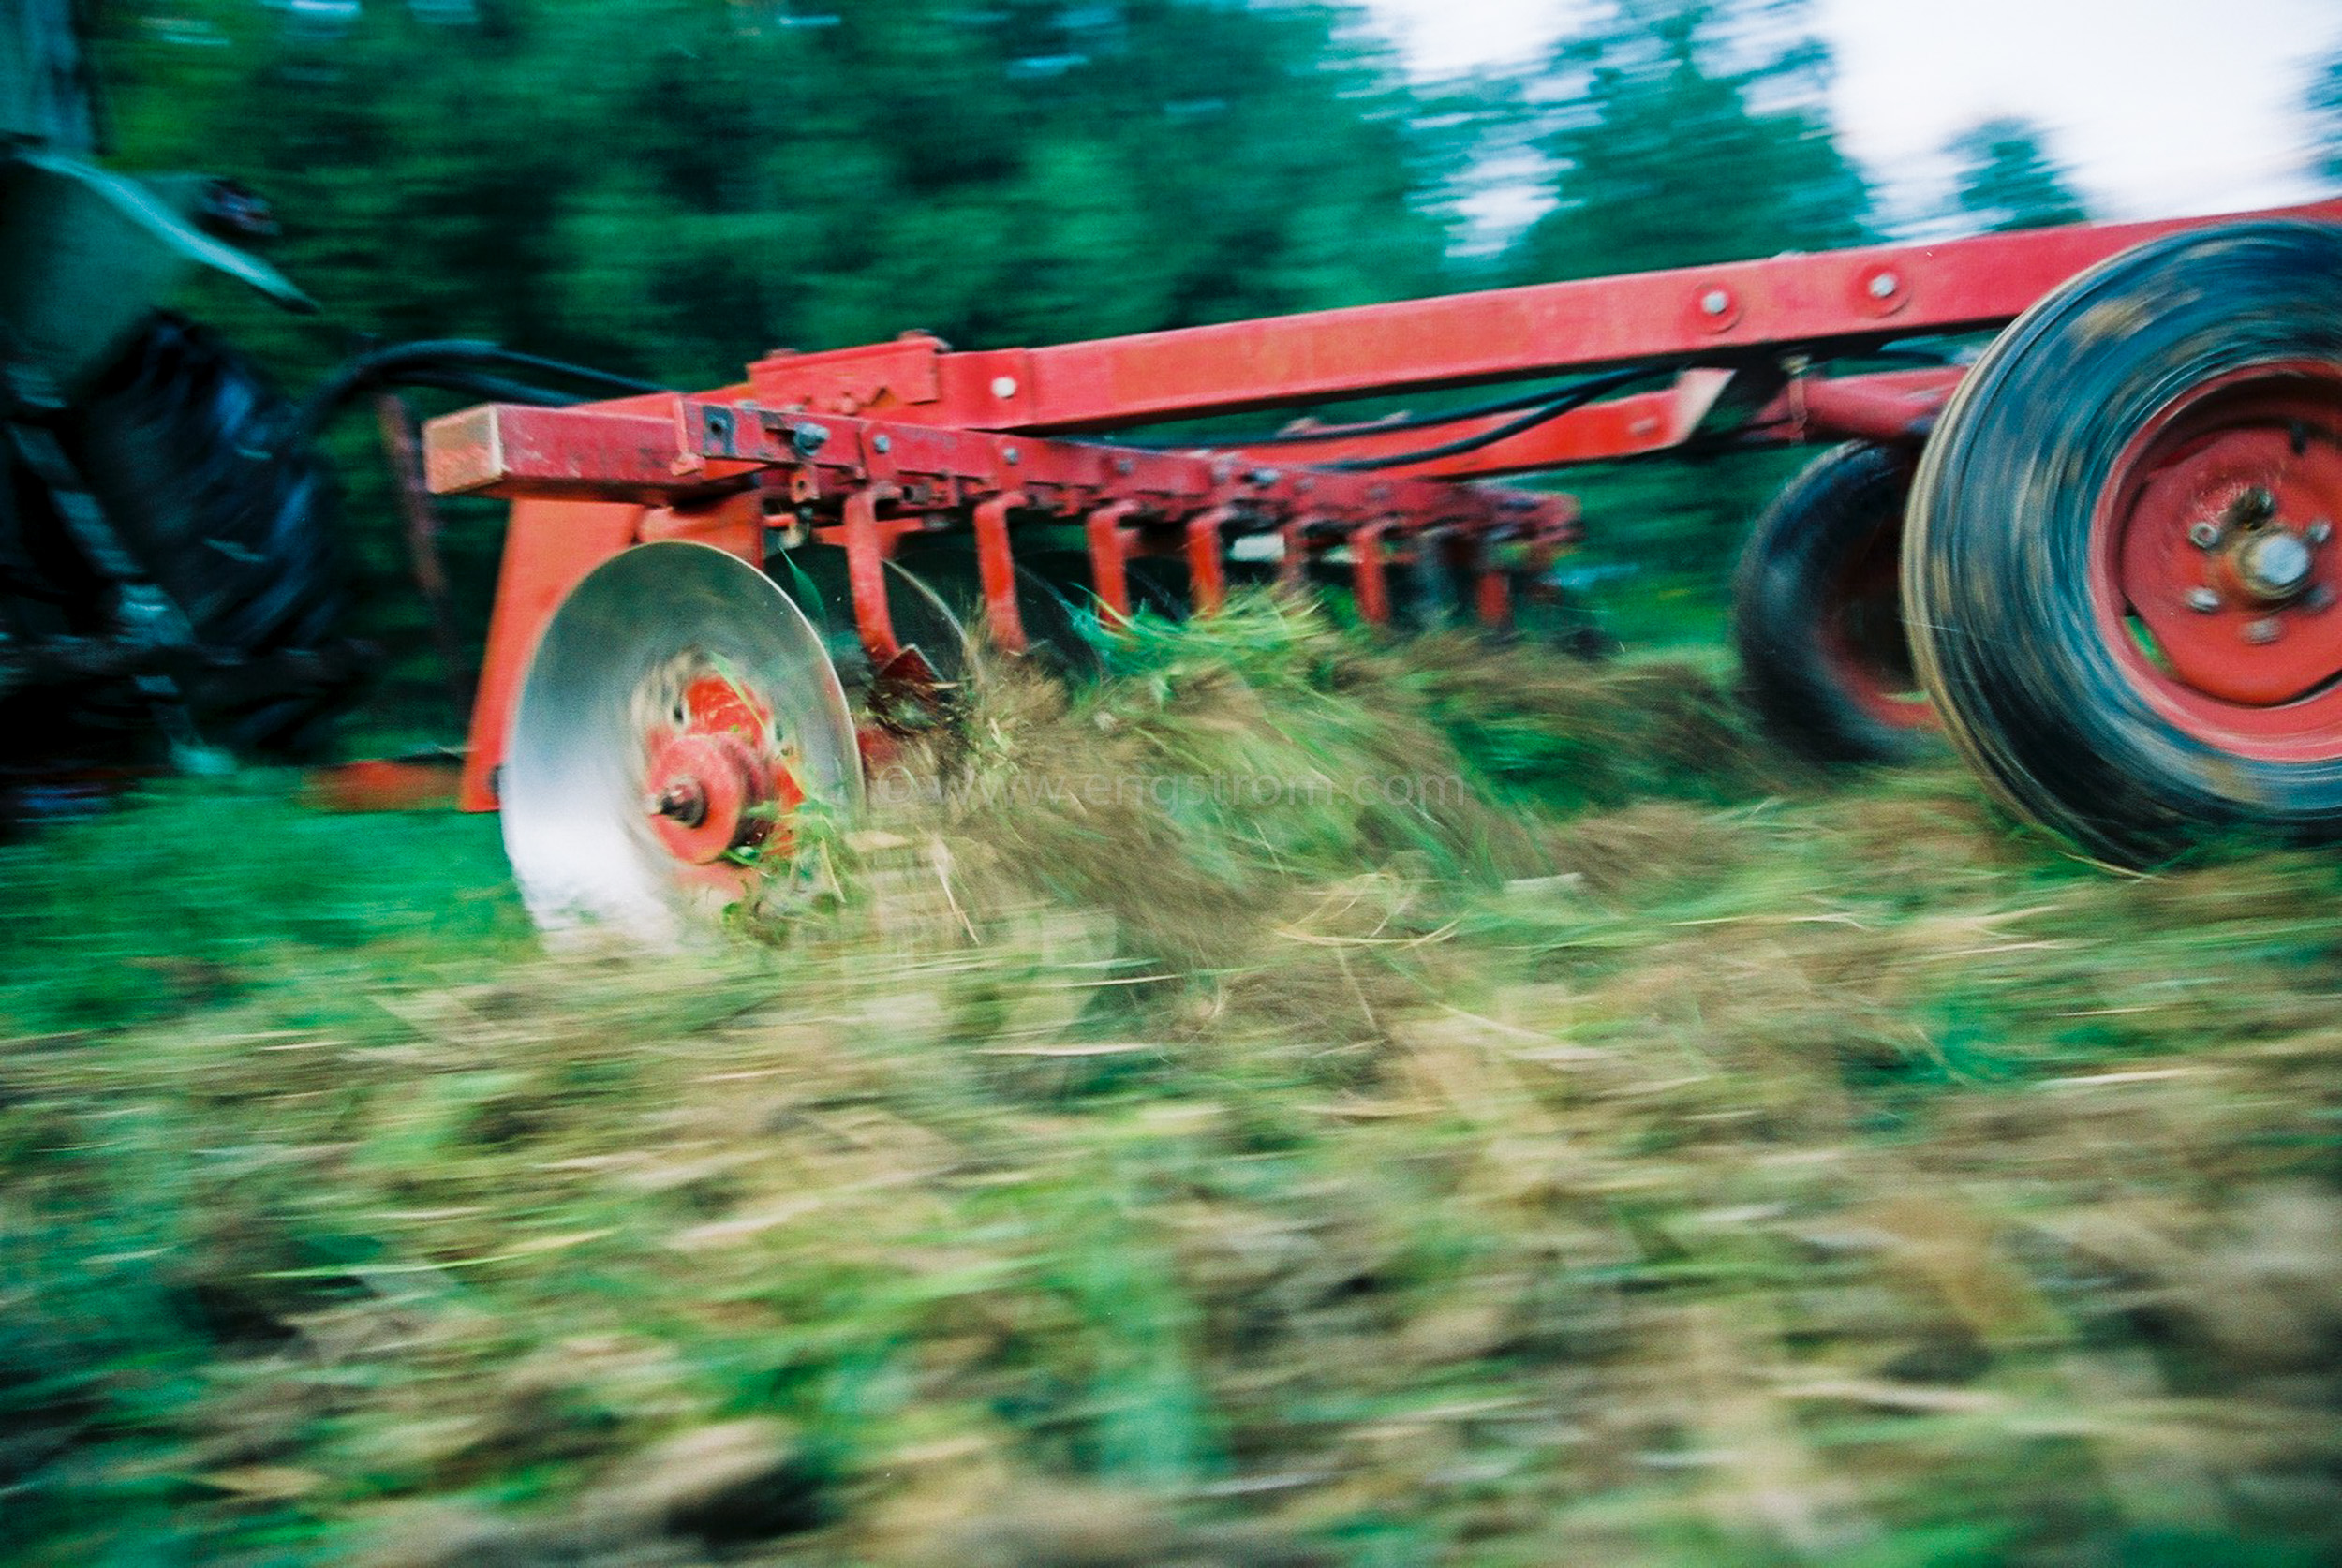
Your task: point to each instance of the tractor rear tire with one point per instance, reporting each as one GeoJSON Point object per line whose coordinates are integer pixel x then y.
{"type": "Point", "coordinates": [198, 463]}
{"type": "Point", "coordinates": [2079, 571]}
{"type": "Point", "coordinates": [1824, 661]}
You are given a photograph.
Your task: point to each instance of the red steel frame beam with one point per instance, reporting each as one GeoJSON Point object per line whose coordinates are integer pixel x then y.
{"type": "Point", "coordinates": [704, 449]}
{"type": "Point", "coordinates": [1689, 315]}
{"type": "Point", "coordinates": [1885, 406]}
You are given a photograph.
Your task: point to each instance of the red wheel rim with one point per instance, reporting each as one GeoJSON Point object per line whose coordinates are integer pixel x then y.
{"type": "Point", "coordinates": [2213, 570]}
{"type": "Point", "coordinates": [1862, 636]}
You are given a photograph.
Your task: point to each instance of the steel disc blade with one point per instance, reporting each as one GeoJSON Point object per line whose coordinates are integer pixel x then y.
{"type": "Point", "coordinates": [925, 622]}
{"type": "Point", "coordinates": [1157, 585]}
{"type": "Point", "coordinates": [815, 577]}
{"type": "Point", "coordinates": [1052, 628]}
{"type": "Point", "coordinates": [615, 660]}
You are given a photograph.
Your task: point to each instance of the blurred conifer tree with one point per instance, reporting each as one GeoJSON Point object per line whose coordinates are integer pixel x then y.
{"type": "Point", "coordinates": [2007, 180]}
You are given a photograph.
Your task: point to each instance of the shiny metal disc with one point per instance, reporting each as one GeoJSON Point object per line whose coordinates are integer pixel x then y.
{"type": "Point", "coordinates": [630, 652]}
{"type": "Point", "coordinates": [1054, 634]}
{"type": "Point", "coordinates": [815, 577]}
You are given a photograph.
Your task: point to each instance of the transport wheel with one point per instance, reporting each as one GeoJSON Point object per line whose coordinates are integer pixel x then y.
{"type": "Point", "coordinates": [2120, 569]}
{"type": "Point", "coordinates": [679, 717]}
{"type": "Point", "coordinates": [1816, 618]}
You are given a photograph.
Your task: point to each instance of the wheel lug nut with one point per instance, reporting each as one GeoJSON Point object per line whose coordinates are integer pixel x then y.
{"type": "Point", "coordinates": [2202, 601]}
{"type": "Point", "coordinates": [2263, 631]}
{"type": "Point", "coordinates": [2320, 598]}
{"type": "Point", "coordinates": [2203, 536]}
{"type": "Point", "coordinates": [2319, 532]}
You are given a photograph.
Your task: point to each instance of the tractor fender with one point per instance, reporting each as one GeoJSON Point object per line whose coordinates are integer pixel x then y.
{"type": "Point", "coordinates": [92, 253]}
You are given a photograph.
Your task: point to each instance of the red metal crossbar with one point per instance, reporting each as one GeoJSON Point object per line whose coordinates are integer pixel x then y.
{"type": "Point", "coordinates": [698, 448]}
{"type": "Point", "coordinates": [1690, 314]}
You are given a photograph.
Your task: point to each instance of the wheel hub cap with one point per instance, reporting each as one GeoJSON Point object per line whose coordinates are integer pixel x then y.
{"type": "Point", "coordinates": [2224, 556]}
{"type": "Point", "coordinates": [2274, 566]}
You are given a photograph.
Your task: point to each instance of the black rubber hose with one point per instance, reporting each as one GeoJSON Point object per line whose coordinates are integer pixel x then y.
{"type": "Point", "coordinates": [1577, 397]}
{"type": "Point", "coordinates": [464, 365]}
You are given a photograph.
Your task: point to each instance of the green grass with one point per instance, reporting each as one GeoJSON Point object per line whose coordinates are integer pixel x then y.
{"type": "Point", "coordinates": [1640, 1152]}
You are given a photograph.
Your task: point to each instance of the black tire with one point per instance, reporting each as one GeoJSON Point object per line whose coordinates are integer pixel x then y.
{"type": "Point", "coordinates": [2063, 694]}
{"type": "Point", "coordinates": [197, 461]}
{"type": "Point", "coordinates": [1824, 662]}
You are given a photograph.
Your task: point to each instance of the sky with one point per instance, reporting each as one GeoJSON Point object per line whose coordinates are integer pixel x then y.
{"type": "Point", "coordinates": [2158, 107]}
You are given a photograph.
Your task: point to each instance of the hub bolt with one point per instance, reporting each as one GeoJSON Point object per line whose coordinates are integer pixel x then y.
{"type": "Point", "coordinates": [2319, 598]}
{"type": "Point", "coordinates": [2204, 534]}
{"type": "Point", "coordinates": [683, 802]}
{"type": "Point", "coordinates": [2263, 631]}
{"type": "Point", "coordinates": [2319, 532]}
{"type": "Point", "coordinates": [2274, 564]}
{"type": "Point", "coordinates": [2202, 601]}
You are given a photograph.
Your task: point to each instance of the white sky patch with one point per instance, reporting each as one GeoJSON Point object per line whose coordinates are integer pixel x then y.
{"type": "Point", "coordinates": [2158, 107]}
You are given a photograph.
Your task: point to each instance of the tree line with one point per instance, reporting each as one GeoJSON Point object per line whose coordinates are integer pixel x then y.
{"type": "Point", "coordinates": [666, 186]}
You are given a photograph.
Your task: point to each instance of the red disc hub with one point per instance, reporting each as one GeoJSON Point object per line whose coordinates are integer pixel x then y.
{"type": "Point", "coordinates": [2215, 565]}
{"type": "Point", "coordinates": [717, 782]}
{"type": "Point", "coordinates": [1862, 635]}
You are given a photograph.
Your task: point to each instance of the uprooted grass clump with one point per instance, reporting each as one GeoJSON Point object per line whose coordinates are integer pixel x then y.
{"type": "Point", "coordinates": [1176, 1174]}
{"type": "Point", "coordinates": [1223, 780]}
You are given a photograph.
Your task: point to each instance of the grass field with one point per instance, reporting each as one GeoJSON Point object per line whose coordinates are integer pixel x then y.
{"type": "Point", "coordinates": [1293, 1104]}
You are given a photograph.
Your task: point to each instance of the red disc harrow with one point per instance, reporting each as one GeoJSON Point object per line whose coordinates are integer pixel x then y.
{"type": "Point", "coordinates": [2208, 569]}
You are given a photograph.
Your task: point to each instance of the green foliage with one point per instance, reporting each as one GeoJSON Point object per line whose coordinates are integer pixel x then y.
{"type": "Point", "coordinates": [671, 187]}
{"type": "Point", "coordinates": [1683, 132]}
{"type": "Point", "coordinates": [1688, 131]}
{"type": "Point", "coordinates": [222, 889]}
{"type": "Point", "coordinates": [2321, 101]}
{"type": "Point", "coordinates": [2008, 178]}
